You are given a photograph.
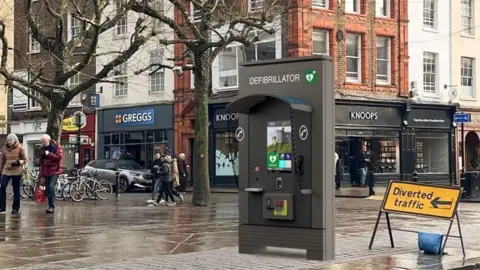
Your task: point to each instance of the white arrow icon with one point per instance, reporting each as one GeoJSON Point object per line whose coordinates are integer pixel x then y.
{"type": "Point", "coordinates": [240, 134]}
{"type": "Point", "coordinates": [303, 132]}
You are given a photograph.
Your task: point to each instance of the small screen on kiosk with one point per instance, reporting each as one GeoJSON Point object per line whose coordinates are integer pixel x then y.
{"type": "Point", "coordinates": [279, 146]}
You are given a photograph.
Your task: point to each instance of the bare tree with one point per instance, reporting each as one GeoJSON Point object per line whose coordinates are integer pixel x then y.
{"type": "Point", "coordinates": [64, 55]}
{"type": "Point", "coordinates": [205, 32]}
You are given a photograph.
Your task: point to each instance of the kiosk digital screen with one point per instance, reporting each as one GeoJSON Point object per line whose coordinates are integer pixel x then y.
{"type": "Point", "coordinates": [279, 146]}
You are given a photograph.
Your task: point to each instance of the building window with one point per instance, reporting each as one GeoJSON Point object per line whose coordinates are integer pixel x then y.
{"type": "Point", "coordinates": [320, 42]}
{"type": "Point", "coordinates": [76, 27]}
{"type": "Point", "coordinates": [467, 77]}
{"type": "Point", "coordinates": [352, 6]}
{"type": "Point", "coordinates": [157, 5]}
{"type": "Point", "coordinates": [157, 79]}
{"type": "Point", "coordinates": [196, 14]}
{"type": "Point", "coordinates": [354, 63]}
{"type": "Point", "coordinates": [383, 151]}
{"type": "Point", "coordinates": [121, 78]}
{"type": "Point", "coordinates": [467, 17]}
{"type": "Point", "coordinates": [429, 8]}
{"type": "Point", "coordinates": [226, 154]}
{"type": "Point", "coordinates": [320, 3]}
{"type": "Point", "coordinates": [429, 72]}
{"type": "Point", "coordinates": [432, 152]}
{"type": "Point", "coordinates": [231, 57]}
{"type": "Point", "coordinates": [383, 60]}
{"type": "Point", "coordinates": [33, 44]}
{"type": "Point", "coordinates": [382, 8]}
{"type": "Point", "coordinates": [256, 5]}
{"type": "Point", "coordinates": [34, 105]}
{"type": "Point", "coordinates": [121, 27]}
{"type": "Point", "coordinates": [72, 83]}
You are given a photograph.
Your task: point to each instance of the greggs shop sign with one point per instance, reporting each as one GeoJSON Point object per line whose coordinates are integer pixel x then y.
{"type": "Point", "coordinates": [137, 117]}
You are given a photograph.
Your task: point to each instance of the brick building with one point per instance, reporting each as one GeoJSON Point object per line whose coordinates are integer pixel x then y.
{"type": "Point", "coordinates": [367, 41]}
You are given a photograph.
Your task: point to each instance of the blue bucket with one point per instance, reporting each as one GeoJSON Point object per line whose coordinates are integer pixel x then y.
{"type": "Point", "coordinates": [430, 243]}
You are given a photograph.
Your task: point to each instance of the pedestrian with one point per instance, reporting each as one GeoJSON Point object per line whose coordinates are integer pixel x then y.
{"type": "Point", "coordinates": [11, 168]}
{"type": "Point", "coordinates": [163, 172]}
{"type": "Point", "coordinates": [363, 165]}
{"type": "Point", "coordinates": [51, 157]}
{"type": "Point", "coordinates": [175, 183]}
{"type": "Point", "coordinates": [157, 162]}
{"type": "Point", "coordinates": [183, 173]}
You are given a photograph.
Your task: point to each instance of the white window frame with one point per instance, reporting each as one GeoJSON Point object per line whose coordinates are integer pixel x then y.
{"type": "Point", "coordinates": [382, 10]}
{"type": "Point", "coordinates": [464, 77]}
{"type": "Point", "coordinates": [255, 5]}
{"type": "Point", "coordinates": [358, 78]}
{"type": "Point", "coordinates": [323, 4]}
{"type": "Point", "coordinates": [156, 80]}
{"type": "Point", "coordinates": [353, 6]}
{"type": "Point", "coordinates": [16, 105]}
{"type": "Point", "coordinates": [427, 60]}
{"type": "Point", "coordinates": [388, 60]}
{"type": "Point", "coordinates": [158, 6]}
{"type": "Point", "coordinates": [121, 28]}
{"type": "Point", "coordinates": [325, 32]}
{"type": "Point", "coordinates": [121, 90]}
{"type": "Point", "coordinates": [430, 23]}
{"type": "Point", "coordinates": [72, 82]}
{"type": "Point", "coordinates": [74, 25]}
{"type": "Point", "coordinates": [33, 104]}
{"type": "Point", "coordinates": [468, 8]}
{"type": "Point", "coordinates": [195, 17]}
{"type": "Point", "coordinates": [33, 45]}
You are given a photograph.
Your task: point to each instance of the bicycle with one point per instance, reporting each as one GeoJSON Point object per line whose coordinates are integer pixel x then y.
{"type": "Point", "coordinates": [90, 186]}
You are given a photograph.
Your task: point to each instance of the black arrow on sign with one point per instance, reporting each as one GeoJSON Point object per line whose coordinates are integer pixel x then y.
{"type": "Point", "coordinates": [436, 202]}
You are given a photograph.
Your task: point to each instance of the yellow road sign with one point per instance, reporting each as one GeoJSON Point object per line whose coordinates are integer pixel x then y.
{"type": "Point", "coordinates": [421, 199]}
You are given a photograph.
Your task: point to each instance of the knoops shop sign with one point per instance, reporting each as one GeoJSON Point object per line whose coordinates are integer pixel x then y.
{"type": "Point", "coordinates": [364, 115]}
{"type": "Point", "coordinates": [226, 117]}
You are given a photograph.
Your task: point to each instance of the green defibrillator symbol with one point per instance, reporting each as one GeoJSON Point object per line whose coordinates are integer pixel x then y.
{"type": "Point", "coordinates": [280, 208]}
{"type": "Point", "coordinates": [311, 76]}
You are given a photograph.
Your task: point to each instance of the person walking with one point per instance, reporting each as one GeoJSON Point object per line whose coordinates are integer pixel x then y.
{"type": "Point", "coordinates": [175, 182]}
{"type": "Point", "coordinates": [163, 174]}
{"type": "Point", "coordinates": [183, 173]}
{"type": "Point", "coordinates": [157, 184]}
{"type": "Point", "coordinates": [11, 168]}
{"type": "Point", "coordinates": [50, 168]}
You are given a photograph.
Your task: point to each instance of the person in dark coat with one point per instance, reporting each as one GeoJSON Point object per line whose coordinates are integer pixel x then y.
{"type": "Point", "coordinates": [183, 173]}
{"type": "Point", "coordinates": [157, 163]}
{"type": "Point", "coordinates": [50, 168]}
{"type": "Point", "coordinates": [163, 174]}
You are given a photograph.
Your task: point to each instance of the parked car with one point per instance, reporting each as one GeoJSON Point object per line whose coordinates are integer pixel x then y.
{"type": "Point", "coordinates": [132, 175]}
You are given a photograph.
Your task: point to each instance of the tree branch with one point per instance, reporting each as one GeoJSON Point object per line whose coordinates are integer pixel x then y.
{"type": "Point", "coordinates": [46, 43]}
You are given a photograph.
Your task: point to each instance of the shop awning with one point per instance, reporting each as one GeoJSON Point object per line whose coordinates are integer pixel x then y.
{"type": "Point", "coordinates": [244, 104]}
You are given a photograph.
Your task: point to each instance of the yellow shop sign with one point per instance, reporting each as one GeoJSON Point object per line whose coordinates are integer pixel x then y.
{"type": "Point", "coordinates": [69, 126]}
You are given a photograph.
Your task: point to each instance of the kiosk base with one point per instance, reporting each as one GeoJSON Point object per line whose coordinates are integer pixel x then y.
{"type": "Point", "coordinates": [254, 239]}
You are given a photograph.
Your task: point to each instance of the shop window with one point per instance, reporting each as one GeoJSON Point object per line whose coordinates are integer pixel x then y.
{"type": "Point", "coordinates": [150, 136]}
{"type": "Point", "coordinates": [432, 152]}
{"type": "Point", "coordinates": [226, 154]}
{"type": "Point", "coordinates": [159, 135]}
{"type": "Point", "coordinates": [382, 149]}
{"type": "Point", "coordinates": [134, 137]}
{"type": "Point", "coordinates": [107, 139]}
{"type": "Point", "coordinates": [116, 138]}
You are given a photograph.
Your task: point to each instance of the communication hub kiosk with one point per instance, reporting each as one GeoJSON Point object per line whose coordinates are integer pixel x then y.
{"type": "Point", "coordinates": [286, 140]}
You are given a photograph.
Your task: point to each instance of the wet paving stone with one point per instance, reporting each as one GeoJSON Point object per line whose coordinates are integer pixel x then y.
{"type": "Point", "coordinates": [129, 235]}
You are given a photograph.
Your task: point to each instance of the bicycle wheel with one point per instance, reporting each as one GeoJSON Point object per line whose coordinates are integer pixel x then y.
{"type": "Point", "coordinates": [29, 189]}
{"type": "Point", "coordinates": [58, 192]}
{"type": "Point", "coordinates": [103, 190]}
{"type": "Point", "coordinates": [23, 194]}
{"type": "Point", "coordinates": [90, 189]}
{"type": "Point", "coordinates": [77, 191]}
{"type": "Point", "coordinates": [66, 191]}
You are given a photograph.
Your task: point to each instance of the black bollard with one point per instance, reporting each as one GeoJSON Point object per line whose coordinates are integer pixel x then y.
{"type": "Point", "coordinates": [415, 176]}
{"type": "Point", "coordinates": [371, 183]}
{"type": "Point", "coordinates": [117, 184]}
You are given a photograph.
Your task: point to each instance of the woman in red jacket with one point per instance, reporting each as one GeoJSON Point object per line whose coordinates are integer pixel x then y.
{"type": "Point", "coordinates": [50, 168]}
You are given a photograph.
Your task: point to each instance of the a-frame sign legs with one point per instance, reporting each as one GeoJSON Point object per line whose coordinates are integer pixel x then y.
{"type": "Point", "coordinates": [376, 228]}
{"type": "Point", "coordinates": [459, 234]}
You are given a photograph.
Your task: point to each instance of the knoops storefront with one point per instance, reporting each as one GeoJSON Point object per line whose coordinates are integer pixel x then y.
{"type": "Point", "coordinates": [400, 139]}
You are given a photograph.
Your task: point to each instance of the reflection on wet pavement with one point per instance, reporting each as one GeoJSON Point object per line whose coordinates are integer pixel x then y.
{"type": "Point", "coordinates": [91, 233]}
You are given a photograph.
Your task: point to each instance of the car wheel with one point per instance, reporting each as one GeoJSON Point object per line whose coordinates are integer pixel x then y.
{"type": "Point", "coordinates": [124, 187]}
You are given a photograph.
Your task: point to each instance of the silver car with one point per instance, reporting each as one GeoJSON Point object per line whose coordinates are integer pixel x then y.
{"type": "Point", "coordinates": [132, 175]}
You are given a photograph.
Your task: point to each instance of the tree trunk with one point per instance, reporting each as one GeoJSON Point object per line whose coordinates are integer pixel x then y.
{"type": "Point", "coordinates": [55, 121]}
{"type": "Point", "coordinates": [201, 181]}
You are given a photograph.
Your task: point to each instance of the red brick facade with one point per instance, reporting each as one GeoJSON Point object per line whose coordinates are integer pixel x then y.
{"type": "Point", "coordinates": [301, 22]}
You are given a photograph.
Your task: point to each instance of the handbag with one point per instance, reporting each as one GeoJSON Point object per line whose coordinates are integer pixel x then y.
{"type": "Point", "coordinates": [40, 195]}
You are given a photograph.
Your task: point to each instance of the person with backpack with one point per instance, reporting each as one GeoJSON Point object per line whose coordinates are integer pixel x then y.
{"type": "Point", "coordinates": [11, 168]}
